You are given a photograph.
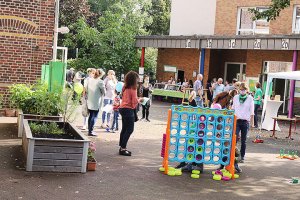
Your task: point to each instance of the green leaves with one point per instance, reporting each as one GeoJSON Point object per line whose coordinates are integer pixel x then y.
{"type": "Point", "coordinates": [273, 12]}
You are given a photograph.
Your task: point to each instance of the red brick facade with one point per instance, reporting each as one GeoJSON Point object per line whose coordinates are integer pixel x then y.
{"type": "Point", "coordinates": [26, 33]}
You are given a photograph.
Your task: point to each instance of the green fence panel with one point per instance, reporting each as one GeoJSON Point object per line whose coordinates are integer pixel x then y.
{"type": "Point", "coordinates": [57, 73]}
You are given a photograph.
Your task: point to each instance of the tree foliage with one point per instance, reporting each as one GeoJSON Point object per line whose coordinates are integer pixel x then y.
{"type": "Point", "coordinates": [273, 12]}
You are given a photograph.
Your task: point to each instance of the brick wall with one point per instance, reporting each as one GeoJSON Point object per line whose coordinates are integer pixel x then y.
{"type": "Point", "coordinates": [184, 59]}
{"type": "Point", "coordinates": [26, 32]}
{"type": "Point", "coordinates": [227, 11]}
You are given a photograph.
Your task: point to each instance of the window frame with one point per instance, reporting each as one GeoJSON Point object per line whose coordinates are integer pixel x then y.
{"type": "Point", "coordinates": [253, 30]}
{"type": "Point", "coordinates": [294, 30]}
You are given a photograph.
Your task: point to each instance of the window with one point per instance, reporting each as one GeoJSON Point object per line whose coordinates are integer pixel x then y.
{"type": "Point", "coordinates": [246, 26]}
{"type": "Point", "coordinates": [296, 19]}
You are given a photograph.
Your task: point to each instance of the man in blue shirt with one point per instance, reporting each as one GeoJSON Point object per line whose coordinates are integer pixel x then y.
{"type": "Point", "coordinates": [218, 87]}
{"type": "Point", "coordinates": [198, 88]}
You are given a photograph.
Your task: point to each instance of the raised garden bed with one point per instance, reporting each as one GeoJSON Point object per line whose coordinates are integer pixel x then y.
{"type": "Point", "coordinates": [53, 154]}
{"type": "Point", "coordinates": [22, 116]}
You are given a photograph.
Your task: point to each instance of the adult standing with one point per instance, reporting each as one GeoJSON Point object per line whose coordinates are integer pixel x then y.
{"type": "Point", "coordinates": [94, 91]}
{"type": "Point", "coordinates": [198, 88]}
{"type": "Point", "coordinates": [128, 109]}
{"type": "Point", "coordinates": [70, 76]}
{"type": "Point", "coordinates": [218, 87]}
{"type": "Point", "coordinates": [110, 87]}
{"type": "Point", "coordinates": [89, 75]}
{"type": "Point", "coordinates": [244, 110]}
{"type": "Point", "coordinates": [257, 103]}
{"type": "Point", "coordinates": [209, 92]}
{"type": "Point", "coordinates": [146, 92]}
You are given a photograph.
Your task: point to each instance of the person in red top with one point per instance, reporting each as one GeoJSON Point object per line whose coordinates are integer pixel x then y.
{"type": "Point", "coordinates": [128, 110]}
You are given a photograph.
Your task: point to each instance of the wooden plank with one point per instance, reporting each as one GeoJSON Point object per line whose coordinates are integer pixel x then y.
{"type": "Point", "coordinates": [58, 143]}
{"type": "Point", "coordinates": [244, 44]}
{"type": "Point", "coordinates": [30, 155]}
{"type": "Point", "coordinates": [263, 44]}
{"type": "Point", "coordinates": [84, 157]}
{"type": "Point", "coordinates": [55, 169]}
{"type": "Point", "coordinates": [49, 162]}
{"type": "Point", "coordinates": [47, 149]}
{"type": "Point", "coordinates": [278, 43]}
{"type": "Point", "coordinates": [57, 156]}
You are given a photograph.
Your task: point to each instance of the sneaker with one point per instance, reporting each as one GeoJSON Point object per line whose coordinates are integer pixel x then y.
{"type": "Point", "coordinates": [187, 168]}
{"type": "Point", "coordinates": [83, 127]}
{"type": "Point", "coordinates": [103, 126]}
{"type": "Point", "coordinates": [238, 169]}
{"type": "Point", "coordinates": [147, 120]}
{"type": "Point", "coordinates": [116, 129]}
{"type": "Point", "coordinates": [107, 130]}
{"type": "Point", "coordinates": [92, 134]}
{"type": "Point", "coordinates": [242, 160]}
{"type": "Point", "coordinates": [112, 130]}
{"type": "Point", "coordinates": [198, 167]}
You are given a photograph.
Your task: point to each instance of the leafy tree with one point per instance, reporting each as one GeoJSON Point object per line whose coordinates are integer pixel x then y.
{"type": "Point", "coordinates": [160, 12]}
{"type": "Point", "coordinates": [72, 10]}
{"type": "Point", "coordinates": [273, 12]}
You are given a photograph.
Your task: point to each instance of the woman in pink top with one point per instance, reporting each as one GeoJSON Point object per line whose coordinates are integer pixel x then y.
{"type": "Point", "coordinates": [127, 110]}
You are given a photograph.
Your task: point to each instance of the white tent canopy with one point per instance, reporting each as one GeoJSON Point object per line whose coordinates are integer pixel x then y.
{"type": "Point", "coordinates": [293, 75]}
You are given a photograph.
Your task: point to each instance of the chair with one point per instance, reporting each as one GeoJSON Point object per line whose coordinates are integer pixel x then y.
{"type": "Point", "coordinates": [186, 94]}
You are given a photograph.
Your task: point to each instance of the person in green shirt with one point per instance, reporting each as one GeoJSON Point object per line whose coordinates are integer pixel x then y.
{"type": "Point", "coordinates": [257, 102]}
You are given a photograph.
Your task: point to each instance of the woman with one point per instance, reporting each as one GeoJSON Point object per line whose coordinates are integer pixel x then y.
{"type": "Point", "coordinates": [94, 92]}
{"type": "Point", "coordinates": [209, 92]}
{"type": "Point", "coordinates": [257, 102]}
{"type": "Point", "coordinates": [244, 110]}
{"type": "Point", "coordinates": [110, 87]}
{"type": "Point", "coordinates": [146, 92]}
{"type": "Point", "coordinates": [89, 75]}
{"type": "Point", "coordinates": [127, 110]}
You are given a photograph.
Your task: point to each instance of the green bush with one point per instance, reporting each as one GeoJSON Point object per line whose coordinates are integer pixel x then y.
{"type": "Point", "coordinates": [45, 128]}
{"type": "Point", "coordinates": [34, 99]}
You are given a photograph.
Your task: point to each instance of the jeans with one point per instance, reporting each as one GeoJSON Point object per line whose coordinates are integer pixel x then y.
{"type": "Point", "coordinates": [256, 107]}
{"type": "Point", "coordinates": [145, 111]}
{"type": "Point", "coordinates": [106, 102]}
{"type": "Point", "coordinates": [92, 119]}
{"type": "Point", "coordinates": [242, 126]}
{"type": "Point", "coordinates": [199, 101]}
{"type": "Point", "coordinates": [127, 126]}
{"type": "Point", "coordinates": [115, 120]}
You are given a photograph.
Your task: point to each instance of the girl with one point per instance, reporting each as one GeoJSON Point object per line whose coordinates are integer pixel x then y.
{"type": "Point", "coordinates": [110, 87]}
{"type": "Point", "coordinates": [146, 92]}
{"type": "Point", "coordinates": [94, 92]}
{"type": "Point", "coordinates": [127, 110]}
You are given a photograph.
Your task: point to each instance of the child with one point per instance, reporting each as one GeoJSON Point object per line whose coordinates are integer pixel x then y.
{"type": "Point", "coordinates": [116, 105]}
{"type": "Point", "coordinates": [236, 166]}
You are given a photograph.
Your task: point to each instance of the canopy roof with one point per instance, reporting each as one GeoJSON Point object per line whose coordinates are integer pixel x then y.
{"type": "Point", "coordinates": [294, 75]}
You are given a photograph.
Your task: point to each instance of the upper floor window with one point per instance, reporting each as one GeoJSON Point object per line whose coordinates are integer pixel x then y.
{"type": "Point", "coordinates": [246, 26]}
{"type": "Point", "coordinates": [296, 19]}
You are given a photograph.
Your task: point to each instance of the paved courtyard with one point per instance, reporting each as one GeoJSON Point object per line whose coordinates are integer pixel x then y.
{"type": "Point", "coordinates": [264, 176]}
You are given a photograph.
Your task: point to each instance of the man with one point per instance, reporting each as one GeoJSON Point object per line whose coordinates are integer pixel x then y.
{"type": "Point", "coordinates": [243, 105]}
{"type": "Point", "coordinates": [218, 87]}
{"type": "Point", "coordinates": [70, 76]}
{"type": "Point", "coordinates": [198, 88]}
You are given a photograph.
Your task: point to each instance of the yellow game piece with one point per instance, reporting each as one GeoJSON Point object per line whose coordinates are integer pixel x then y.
{"type": "Point", "coordinates": [171, 168]}
{"type": "Point", "coordinates": [217, 177]}
{"type": "Point", "coordinates": [213, 172]}
{"type": "Point", "coordinates": [227, 175]}
{"type": "Point", "coordinates": [195, 172]}
{"type": "Point", "coordinates": [236, 176]}
{"type": "Point", "coordinates": [195, 175]}
{"type": "Point", "coordinates": [162, 169]}
{"type": "Point", "coordinates": [224, 170]}
{"type": "Point", "coordinates": [178, 172]}
{"type": "Point", "coordinates": [171, 173]}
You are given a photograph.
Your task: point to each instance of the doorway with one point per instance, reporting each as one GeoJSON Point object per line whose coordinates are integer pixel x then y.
{"type": "Point", "coordinates": [235, 70]}
{"type": "Point", "coordinates": [180, 76]}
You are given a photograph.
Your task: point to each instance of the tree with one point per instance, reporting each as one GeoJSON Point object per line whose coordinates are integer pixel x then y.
{"type": "Point", "coordinates": [273, 12]}
{"type": "Point", "coordinates": [160, 12]}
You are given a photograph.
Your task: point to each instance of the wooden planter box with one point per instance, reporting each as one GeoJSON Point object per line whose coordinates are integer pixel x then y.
{"type": "Point", "coordinates": [22, 116]}
{"type": "Point", "coordinates": [55, 155]}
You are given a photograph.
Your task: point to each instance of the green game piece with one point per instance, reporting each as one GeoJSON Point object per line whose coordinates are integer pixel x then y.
{"type": "Point", "coordinates": [191, 141]}
{"type": "Point", "coordinates": [195, 175]}
{"type": "Point", "coordinates": [213, 172]}
{"type": "Point", "coordinates": [227, 174]}
{"type": "Point", "coordinates": [171, 168]}
{"type": "Point", "coordinates": [236, 176]}
{"type": "Point", "coordinates": [217, 177]}
{"type": "Point", "coordinates": [195, 172]}
{"type": "Point", "coordinates": [178, 172]}
{"type": "Point", "coordinates": [171, 173]}
{"type": "Point", "coordinates": [162, 169]}
{"type": "Point", "coordinates": [295, 181]}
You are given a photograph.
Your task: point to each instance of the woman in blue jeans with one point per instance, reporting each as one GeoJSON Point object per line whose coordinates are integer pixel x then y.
{"type": "Point", "coordinates": [128, 110]}
{"type": "Point", "coordinates": [93, 92]}
{"type": "Point", "coordinates": [110, 87]}
{"type": "Point", "coordinates": [243, 105]}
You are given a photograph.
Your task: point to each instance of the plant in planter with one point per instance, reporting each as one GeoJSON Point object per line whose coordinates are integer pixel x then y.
{"type": "Point", "coordinates": [91, 161]}
{"type": "Point", "coordinates": [34, 102]}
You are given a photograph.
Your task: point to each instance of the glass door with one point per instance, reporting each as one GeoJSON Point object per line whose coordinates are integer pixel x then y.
{"type": "Point", "coordinates": [235, 70]}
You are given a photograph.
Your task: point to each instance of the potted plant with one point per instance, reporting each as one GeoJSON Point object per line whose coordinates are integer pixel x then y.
{"type": "Point", "coordinates": [34, 102]}
{"type": "Point", "coordinates": [56, 146]}
{"type": "Point", "coordinates": [91, 161]}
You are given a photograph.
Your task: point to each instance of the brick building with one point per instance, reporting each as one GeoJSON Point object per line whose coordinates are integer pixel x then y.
{"type": "Point", "coordinates": [219, 39]}
{"type": "Point", "coordinates": [26, 33]}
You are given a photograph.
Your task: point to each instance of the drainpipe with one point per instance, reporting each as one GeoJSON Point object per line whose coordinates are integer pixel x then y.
{"type": "Point", "coordinates": [202, 61]}
{"type": "Point", "coordinates": [292, 86]}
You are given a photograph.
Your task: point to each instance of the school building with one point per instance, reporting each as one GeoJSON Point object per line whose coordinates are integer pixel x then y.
{"type": "Point", "coordinates": [26, 37]}
{"type": "Point", "coordinates": [218, 38]}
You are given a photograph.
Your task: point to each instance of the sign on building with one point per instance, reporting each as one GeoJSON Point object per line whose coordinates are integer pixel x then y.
{"type": "Point", "coordinates": [275, 66]}
{"type": "Point", "coordinates": [168, 68]}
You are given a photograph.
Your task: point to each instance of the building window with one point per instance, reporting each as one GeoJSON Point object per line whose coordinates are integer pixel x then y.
{"type": "Point", "coordinates": [296, 19]}
{"type": "Point", "coordinates": [246, 26]}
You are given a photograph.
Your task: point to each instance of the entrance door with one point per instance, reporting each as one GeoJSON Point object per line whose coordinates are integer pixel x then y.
{"type": "Point", "coordinates": [234, 70]}
{"type": "Point", "coordinates": [180, 75]}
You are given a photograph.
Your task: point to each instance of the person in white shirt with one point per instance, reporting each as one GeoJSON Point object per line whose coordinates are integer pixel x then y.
{"type": "Point", "coordinates": [198, 88]}
{"type": "Point", "coordinates": [218, 87]}
{"type": "Point", "coordinates": [243, 105]}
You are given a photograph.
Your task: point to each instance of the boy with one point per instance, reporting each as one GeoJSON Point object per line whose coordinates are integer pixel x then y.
{"type": "Point", "coordinates": [116, 105]}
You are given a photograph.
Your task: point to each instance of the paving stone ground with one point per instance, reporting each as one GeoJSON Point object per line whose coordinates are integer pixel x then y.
{"type": "Point", "coordinates": [264, 176]}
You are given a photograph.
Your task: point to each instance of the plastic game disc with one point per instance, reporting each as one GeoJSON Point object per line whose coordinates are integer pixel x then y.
{"type": "Point", "coordinates": [171, 173]}
{"type": "Point", "coordinates": [236, 176]}
{"type": "Point", "coordinates": [195, 175]}
{"type": "Point", "coordinates": [162, 169]}
{"type": "Point", "coordinates": [195, 172]}
{"type": "Point", "coordinates": [224, 178]}
{"type": "Point", "coordinates": [217, 177]}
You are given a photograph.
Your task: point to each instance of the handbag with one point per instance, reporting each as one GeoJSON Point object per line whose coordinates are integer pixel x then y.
{"type": "Point", "coordinates": [85, 109]}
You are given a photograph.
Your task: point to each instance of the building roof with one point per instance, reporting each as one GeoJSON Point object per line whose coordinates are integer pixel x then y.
{"type": "Point", "coordinates": [258, 42]}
